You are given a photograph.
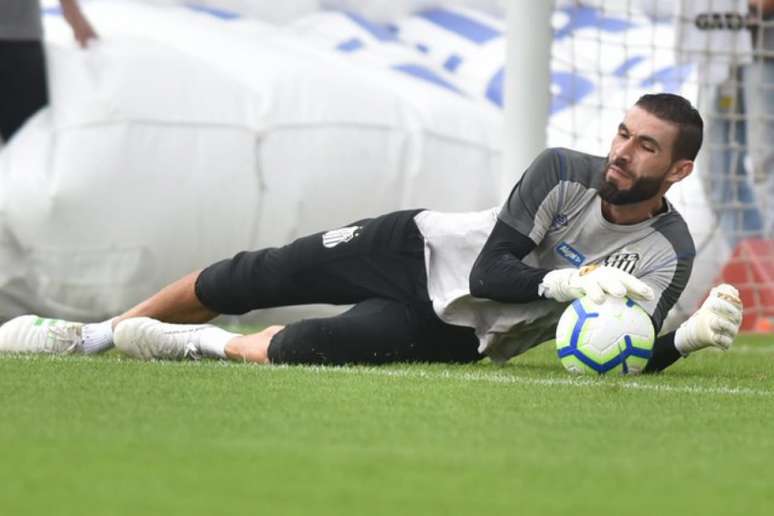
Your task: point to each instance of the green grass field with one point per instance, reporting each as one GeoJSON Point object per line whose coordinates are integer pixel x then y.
{"type": "Point", "coordinates": [108, 435]}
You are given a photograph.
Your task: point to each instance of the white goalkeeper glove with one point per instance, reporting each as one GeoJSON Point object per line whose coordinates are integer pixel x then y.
{"type": "Point", "coordinates": [594, 281]}
{"type": "Point", "coordinates": [715, 323]}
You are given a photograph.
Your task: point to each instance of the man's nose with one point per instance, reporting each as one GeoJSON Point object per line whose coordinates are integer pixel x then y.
{"type": "Point", "coordinates": [623, 151]}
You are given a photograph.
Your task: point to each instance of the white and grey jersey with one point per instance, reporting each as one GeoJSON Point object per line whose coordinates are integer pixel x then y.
{"type": "Point", "coordinates": [557, 206]}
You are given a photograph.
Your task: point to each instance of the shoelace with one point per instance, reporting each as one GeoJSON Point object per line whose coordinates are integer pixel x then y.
{"type": "Point", "coordinates": [70, 334]}
{"type": "Point", "coordinates": [192, 352]}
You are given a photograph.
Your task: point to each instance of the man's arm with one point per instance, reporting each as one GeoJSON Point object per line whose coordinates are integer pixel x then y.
{"type": "Point", "coordinates": [82, 29]}
{"type": "Point", "coordinates": [499, 274]}
{"type": "Point", "coordinates": [664, 354]}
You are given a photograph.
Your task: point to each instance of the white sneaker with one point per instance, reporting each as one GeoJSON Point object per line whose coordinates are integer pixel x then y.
{"type": "Point", "coordinates": [33, 334]}
{"type": "Point", "coordinates": [146, 338]}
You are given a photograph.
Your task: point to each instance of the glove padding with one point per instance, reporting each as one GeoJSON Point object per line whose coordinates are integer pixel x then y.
{"type": "Point", "coordinates": [593, 281]}
{"type": "Point", "coordinates": [716, 323]}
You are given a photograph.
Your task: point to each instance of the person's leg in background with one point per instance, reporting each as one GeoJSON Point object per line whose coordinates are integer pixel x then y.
{"type": "Point", "coordinates": [726, 182]}
{"type": "Point", "coordinates": [759, 100]}
{"type": "Point", "coordinates": [24, 86]}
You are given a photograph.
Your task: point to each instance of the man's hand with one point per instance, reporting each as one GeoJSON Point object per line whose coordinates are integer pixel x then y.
{"type": "Point", "coordinates": [715, 323]}
{"type": "Point", "coordinates": [593, 281]}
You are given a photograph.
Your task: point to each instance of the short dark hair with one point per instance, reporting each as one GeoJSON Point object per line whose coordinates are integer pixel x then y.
{"type": "Point", "coordinates": [678, 110]}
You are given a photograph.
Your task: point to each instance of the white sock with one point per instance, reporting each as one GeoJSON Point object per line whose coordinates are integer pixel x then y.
{"type": "Point", "coordinates": [97, 337]}
{"type": "Point", "coordinates": [213, 340]}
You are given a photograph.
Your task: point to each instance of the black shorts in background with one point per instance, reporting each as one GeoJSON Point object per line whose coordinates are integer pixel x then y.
{"type": "Point", "coordinates": [23, 84]}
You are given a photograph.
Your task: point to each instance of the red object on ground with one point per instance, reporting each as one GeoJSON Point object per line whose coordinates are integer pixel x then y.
{"type": "Point", "coordinates": [751, 270]}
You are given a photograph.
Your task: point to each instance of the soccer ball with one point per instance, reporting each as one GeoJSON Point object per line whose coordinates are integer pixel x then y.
{"type": "Point", "coordinates": [616, 335]}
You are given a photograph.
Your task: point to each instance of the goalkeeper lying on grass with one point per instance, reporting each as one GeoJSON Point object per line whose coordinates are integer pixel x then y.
{"type": "Point", "coordinates": [440, 287]}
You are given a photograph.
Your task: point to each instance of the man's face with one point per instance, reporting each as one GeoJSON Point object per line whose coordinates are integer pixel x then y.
{"type": "Point", "coordinates": [640, 158]}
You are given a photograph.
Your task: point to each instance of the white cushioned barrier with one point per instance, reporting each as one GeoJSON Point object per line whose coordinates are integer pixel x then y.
{"type": "Point", "coordinates": [191, 132]}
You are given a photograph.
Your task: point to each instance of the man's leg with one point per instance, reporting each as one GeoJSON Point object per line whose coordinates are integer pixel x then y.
{"type": "Point", "coordinates": [371, 258]}
{"type": "Point", "coordinates": [176, 303]}
{"type": "Point", "coordinates": [375, 331]}
{"type": "Point", "coordinates": [380, 258]}
{"type": "Point", "coordinates": [148, 339]}
{"type": "Point", "coordinates": [252, 348]}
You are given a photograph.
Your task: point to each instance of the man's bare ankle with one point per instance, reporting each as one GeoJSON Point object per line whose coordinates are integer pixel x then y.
{"type": "Point", "coordinates": [252, 348]}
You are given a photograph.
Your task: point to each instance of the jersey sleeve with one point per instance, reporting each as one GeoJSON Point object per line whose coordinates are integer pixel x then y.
{"type": "Point", "coordinates": [668, 284]}
{"type": "Point", "coordinates": [534, 201]}
{"type": "Point", "coordinates": [669, 268]}
{"type": "Point", "coordinates": [499, 273]}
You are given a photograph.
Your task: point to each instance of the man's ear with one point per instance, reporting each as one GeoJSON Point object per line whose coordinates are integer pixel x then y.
{"type": "Point", "coordinates": [680, 170]}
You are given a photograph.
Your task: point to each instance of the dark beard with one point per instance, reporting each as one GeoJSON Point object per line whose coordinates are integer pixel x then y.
{"type": "Point", "coordinates": [643, 189]}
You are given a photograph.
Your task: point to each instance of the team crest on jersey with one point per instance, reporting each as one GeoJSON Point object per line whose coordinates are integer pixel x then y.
{"type": "Point", "coordinates": [570, 254]}
{"type": "Point", "coordinates": [625, 260]}
{"type": "Point", "coordinates": [560, 221]}
{"type": "Point", "coordinates": [340, 236]}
